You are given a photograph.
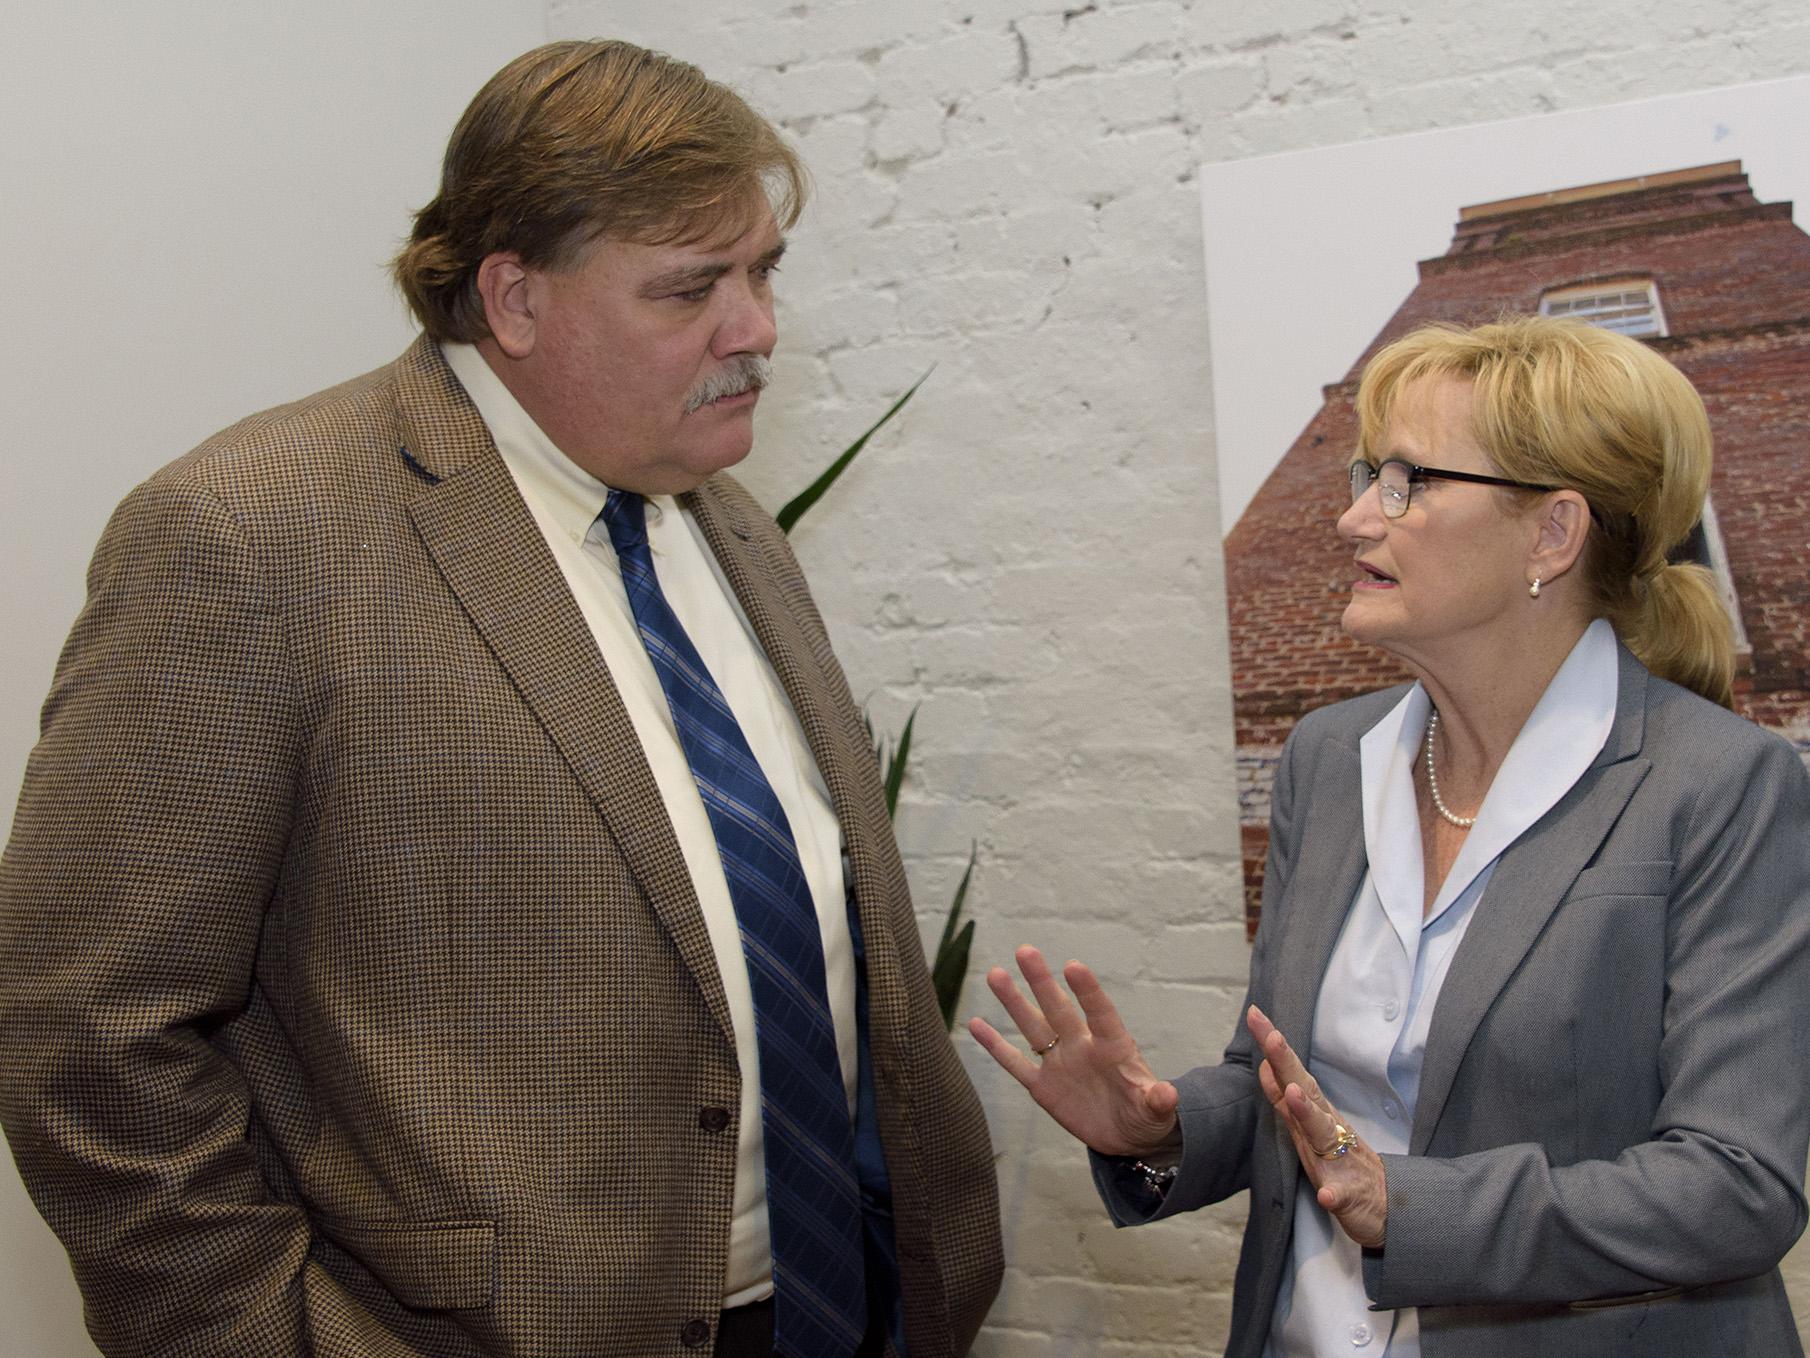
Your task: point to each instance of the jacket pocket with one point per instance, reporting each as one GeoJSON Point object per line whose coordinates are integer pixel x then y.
{"type": "Point", "coordinates": [429, 1265]}
{"type": "Point", "coordinates": [1628, 1299]}
{"type": "Point", "coordinates": [1622, 879]}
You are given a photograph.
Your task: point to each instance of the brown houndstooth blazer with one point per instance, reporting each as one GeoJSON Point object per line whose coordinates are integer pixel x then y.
{"type": "Point", "coordinates": [354, 998]}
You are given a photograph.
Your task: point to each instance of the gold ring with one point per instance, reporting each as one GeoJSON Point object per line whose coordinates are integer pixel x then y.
{"type": "Point", "coordinates": [1049, 1046]}
{"type": "Point", "coordinates": [1343, 1140]}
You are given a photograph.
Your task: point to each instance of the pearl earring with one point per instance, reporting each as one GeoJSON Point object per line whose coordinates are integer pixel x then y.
{"type": "Point", "coordinates": [1533, 590]}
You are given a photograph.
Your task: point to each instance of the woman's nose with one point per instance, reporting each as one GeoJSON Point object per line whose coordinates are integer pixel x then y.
{"type": "Point", "coordinates": [1363, 521]}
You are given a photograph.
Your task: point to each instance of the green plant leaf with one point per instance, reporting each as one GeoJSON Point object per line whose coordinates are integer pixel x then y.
{"type": "Point", "coordinates": [950, 968]}
{"type": "Point", "coordinates": [794, 509]}
{"type": "Point", "coordinates": [895, 766]}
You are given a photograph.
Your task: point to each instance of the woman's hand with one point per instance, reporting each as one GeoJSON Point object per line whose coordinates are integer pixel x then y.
{"type": "Point", "coordinates": [1086, 1071]}
{"type": "Point", "coordinates": [1350, 1186]}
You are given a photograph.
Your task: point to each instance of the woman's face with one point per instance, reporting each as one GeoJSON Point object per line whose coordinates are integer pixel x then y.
{"type": "Point", "coordinates": [1448, 572]}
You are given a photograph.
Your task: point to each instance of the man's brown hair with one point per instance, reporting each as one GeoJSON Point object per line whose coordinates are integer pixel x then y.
{"type": "Point", "coordinates": [576, 140]}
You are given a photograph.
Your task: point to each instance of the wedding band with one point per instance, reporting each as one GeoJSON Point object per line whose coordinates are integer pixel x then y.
{"type": "Point", "coordinates": [1343, 1140]}
{"type": "Point", "coordinates": [1049, 1046]}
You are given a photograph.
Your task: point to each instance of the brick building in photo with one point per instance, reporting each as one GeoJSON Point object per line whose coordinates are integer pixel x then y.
{"type": "Point", "coordinates": [1688, 260]}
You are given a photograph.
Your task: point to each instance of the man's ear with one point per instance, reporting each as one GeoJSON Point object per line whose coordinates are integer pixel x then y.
{"type": "Point", "coordinates": [1564, 527]}
{"type": "Point", "coordinates": [504, 286]}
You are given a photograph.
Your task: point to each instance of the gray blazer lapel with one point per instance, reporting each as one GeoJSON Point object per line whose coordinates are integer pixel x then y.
{"type": "Point", "coordinates": [1530, 881]}
{"type": "Point", "coordinates": [1319, 895]}
{"type": "Point", "coordinates": [496, 563]}
{"type": "Point", "coordinates": [1320, 890]}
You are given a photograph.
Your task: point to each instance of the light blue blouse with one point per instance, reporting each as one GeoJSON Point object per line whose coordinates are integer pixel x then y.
{"type": "Point", "coordinates": [1382, 984]}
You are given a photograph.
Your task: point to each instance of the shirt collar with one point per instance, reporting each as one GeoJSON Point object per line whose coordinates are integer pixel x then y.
{"type": "Point", "coordinates": [1559, 740]}
{"type": "Point", "coordinates": [558, 486]}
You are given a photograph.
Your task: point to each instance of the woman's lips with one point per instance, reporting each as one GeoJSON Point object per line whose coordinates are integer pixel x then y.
{"type": "Point", "coordinates": [1372, 578]}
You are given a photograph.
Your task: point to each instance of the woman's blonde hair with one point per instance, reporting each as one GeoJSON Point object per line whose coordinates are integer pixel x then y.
{"type": "Point", "coordinates": [575, 140]}
{"type": "Point", "coordinates": [1560, 403]}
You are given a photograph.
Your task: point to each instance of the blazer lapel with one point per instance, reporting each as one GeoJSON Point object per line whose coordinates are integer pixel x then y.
{"type": "Point", "coordinates": [1530, 881]}
{"type": "Point", "coordinates": [1320, 893]}
{"type": "Point", "coordinates": [491, 553]}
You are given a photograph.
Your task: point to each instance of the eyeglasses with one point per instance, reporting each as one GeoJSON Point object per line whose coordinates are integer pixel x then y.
{"type": "Point", "coordinates": [1396, 481]}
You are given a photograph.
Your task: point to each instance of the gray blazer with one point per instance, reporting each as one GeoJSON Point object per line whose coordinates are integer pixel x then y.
{"type": "Point", "coordinates": [1608, 1152]}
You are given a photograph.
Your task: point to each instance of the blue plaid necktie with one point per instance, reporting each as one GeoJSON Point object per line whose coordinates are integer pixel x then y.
{"type": "Point", "coordinates": [813, 1205]}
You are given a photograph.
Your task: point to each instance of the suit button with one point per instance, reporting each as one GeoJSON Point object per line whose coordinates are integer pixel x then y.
{"type": "Point", "coordinates": [713, 1119]}
{"type": "Point", "coordinates": [696, 1334]}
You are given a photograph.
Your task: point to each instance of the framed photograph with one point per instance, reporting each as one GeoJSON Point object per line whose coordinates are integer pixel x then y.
{"type": "Point", "coordinates": [1676, 220]}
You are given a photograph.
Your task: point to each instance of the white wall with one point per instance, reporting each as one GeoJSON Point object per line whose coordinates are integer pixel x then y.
{"type": "Point", "coordinates": [200, 197]}
{"type": "Point", "coordinates": [1005, 188]}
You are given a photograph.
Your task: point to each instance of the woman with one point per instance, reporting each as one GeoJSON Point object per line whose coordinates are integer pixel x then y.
{"type": "Point", "coordinates": [1536, 927]}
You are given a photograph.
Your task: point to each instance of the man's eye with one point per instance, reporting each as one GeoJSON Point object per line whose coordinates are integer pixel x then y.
{"type": "Point", "coordinates": [694, 294]}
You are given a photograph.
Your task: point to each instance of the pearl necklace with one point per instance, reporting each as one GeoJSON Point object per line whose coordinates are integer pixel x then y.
{"type": "Point", "coordinates": [1462, 822]}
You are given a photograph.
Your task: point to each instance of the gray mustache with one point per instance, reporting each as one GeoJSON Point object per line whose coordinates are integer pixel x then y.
{"type": "Point", "coordinates": [744, 372]}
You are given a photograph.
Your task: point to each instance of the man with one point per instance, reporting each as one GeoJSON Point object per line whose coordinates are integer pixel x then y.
{"type": "Point", "coordinates": [451, 910]}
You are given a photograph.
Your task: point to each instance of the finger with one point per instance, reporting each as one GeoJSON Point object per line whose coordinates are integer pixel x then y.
{"type": "Point", "coordinates": [1000, 982]}
{"type": "Point", "coordinates": [1311, 1163]}
{"type": "Point", "coordinates": [1274, 1091]}
{"type": "Point", "coordinates": [1306, 1144]}
{"type": "Point", "coordinates": [1267, 1078]}
{"type": "Point", "coordinates": [1025, 1015]}
{"type": "Point", "coordinates": [1279, 1097]}
{"type": "Point", "coordinates": [1102, 1014]}
{"type": "Point", "coordinates": [1271, 1086]}
{"type": "Point", "coordinates": [1061, 1016]}
{"type": "Point", "coordinates": [1258, 1023]}
{"type": "Point", "coordinates": [1317, 1124]}
{"type": "Point", "coordinates": [1019, 1066]}
{"type": "Point", "coordinates": [1289, 1067]}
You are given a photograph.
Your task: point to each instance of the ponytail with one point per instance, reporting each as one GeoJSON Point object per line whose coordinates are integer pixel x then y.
{"type": "Point", "coordinates": [1676, 625]}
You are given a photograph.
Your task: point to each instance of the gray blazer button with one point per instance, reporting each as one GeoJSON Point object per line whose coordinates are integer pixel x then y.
{"type": "Point", "coordinates": [696, 1334]}
{"type": "Point", "coordinates": [713, 1119]}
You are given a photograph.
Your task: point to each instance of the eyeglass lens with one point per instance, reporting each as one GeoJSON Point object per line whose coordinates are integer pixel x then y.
{"type": "Point", "coordinates": [1394, 487]}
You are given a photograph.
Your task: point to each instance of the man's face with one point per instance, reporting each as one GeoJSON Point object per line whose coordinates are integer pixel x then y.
{"type": "Point", "coordinates": [647, 360]}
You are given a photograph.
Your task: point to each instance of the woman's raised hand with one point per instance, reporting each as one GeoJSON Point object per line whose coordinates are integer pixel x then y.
{"type": "Point", "coordinates": [1085, 1070]}
{"type": "Point", "coordinates": [1346, 1174]}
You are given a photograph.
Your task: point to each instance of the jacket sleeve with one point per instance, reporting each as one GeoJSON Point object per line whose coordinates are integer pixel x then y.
{"type": "Point", "coordinates": [149, 835]}
{"type": "Point", "coordinates": [1715, 1192]}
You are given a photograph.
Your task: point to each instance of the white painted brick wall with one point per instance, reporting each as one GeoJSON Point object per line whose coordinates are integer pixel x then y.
{"type": "Point", "coordinates": [1005, 189]}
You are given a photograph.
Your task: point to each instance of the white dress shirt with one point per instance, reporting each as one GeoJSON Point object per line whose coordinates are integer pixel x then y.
{"type": "Point", "coordinates": [565, 501]}
{"type": "Point", "coordinates": [1381, 985]}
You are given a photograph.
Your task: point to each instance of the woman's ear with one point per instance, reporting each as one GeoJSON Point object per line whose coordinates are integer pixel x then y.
{"type": "Point", "coordinates": [505, 288]}
{"type": "Point", "coordinates": [1564, 525]}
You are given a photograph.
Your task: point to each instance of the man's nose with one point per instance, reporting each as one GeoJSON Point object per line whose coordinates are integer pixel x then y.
{"type": "Point", "coordinates": [747, 326]}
